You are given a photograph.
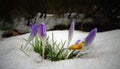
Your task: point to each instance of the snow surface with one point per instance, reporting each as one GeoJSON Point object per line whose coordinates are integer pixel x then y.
{"type": "Point", "coordinates": [106, 46]}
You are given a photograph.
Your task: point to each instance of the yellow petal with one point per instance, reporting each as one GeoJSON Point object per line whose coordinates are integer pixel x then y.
{"type": "Point", "coordinates": [77, 46]}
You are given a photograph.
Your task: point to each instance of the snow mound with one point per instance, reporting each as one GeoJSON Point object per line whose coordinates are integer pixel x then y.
{"type": "Point", "coordinates": [106, 44]}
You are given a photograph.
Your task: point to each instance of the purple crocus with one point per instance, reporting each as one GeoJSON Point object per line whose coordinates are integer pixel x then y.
{"type": "Point", "coordinates": [33, 31]}
{"type": "Point", "coordinates": [42, 34]}
{"type": "Point", "coordinates": [89, 39]}
{"type": "Point", "coordinates": [31, 26]}
{"type": "Point", "coordinates": [42, 31]}
{"type": "Point", "coordinates": [40, 28]}
{"type": "Point", "coordinates": [71, 30]}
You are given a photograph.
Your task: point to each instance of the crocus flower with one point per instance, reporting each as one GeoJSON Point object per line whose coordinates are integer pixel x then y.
{"type": "Point", "coordinates": [42, 34]}
{"type": "Point", "coordinates": [42, 31]}
{"type": "Point", "coordinates": [88, 41]}
{"type": "Point", "coordinates": [41, 28]}
{"type": "Point", "coordinates": [31, 26]}
{"type": "Point", "coordinates": [71, 30]}
{"type": "Point", "coordinates": [33, 31]}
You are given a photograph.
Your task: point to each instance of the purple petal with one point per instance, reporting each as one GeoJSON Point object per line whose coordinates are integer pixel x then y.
{"type": "Point", "coordinates": [31, 25]}
{"type": "Point", "coordinates": [33, 31]}
{"type": "Point", "coordinates": [89, 39]}
{"type": "Point", "coordinates": [71, 30]}
{"type": "Point", "coordinates": [42, 30]}
{"type": "Point", "coordinates": [77, 42]}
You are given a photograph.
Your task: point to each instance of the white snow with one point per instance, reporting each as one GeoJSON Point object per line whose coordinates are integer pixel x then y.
{"type": "Point", "coordinates": [106, 44]}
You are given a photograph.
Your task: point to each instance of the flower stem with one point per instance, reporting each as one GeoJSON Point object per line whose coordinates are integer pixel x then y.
{"type": "Point", "coordinates": [43, 48]}
{"type": "Point", "coordinates": [43, 52]}
{"type": "Point", "coordinates": [68, 43]}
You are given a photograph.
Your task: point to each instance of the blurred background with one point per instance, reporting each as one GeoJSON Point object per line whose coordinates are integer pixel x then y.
{"type": "Point", "coordinates": [16, 15]}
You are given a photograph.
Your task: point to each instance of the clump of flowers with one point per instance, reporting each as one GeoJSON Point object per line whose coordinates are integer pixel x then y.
{"type": "Point", "coordinates": [52, 51]}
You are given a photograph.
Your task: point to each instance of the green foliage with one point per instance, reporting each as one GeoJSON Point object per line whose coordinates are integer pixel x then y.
{"type": "Point", "coordinates": [53, 51]}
